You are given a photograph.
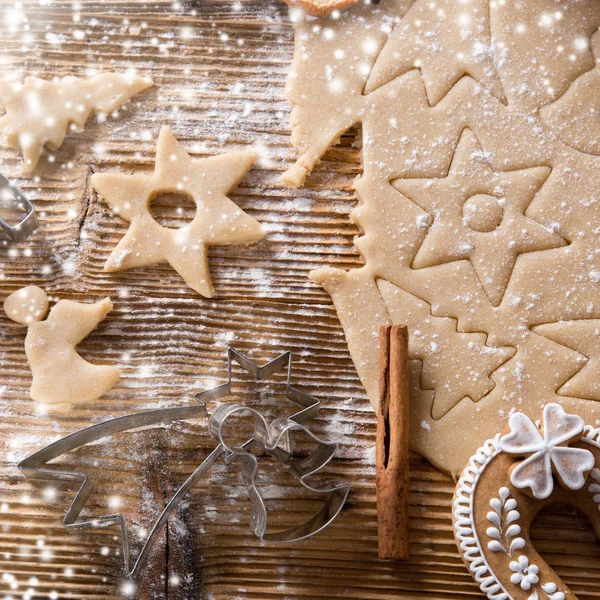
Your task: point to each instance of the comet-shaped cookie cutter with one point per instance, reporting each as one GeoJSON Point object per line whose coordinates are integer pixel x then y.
{"type": "Point", "coordinates": [21, 231]}
{"type": "Point", "coordinates": [273, 438]}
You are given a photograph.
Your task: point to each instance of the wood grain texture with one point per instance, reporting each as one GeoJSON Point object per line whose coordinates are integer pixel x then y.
{"type": "Point", "coordinates": [217, 94]}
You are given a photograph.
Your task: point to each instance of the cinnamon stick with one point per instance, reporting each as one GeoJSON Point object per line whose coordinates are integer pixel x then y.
{"type": "Point", "coordinates": [392, 443]}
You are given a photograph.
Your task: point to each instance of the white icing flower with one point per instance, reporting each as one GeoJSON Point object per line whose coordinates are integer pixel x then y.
{"type": "Point", "coordinates": [524, 574]}
{"type": "Point", "coordinates": [548, 453]}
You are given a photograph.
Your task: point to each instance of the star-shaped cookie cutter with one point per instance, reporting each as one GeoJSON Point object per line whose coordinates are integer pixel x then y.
{"type": "Point", "coordinates": [22, 230]}
{"type": "Point", "coordinates": [273, 438]}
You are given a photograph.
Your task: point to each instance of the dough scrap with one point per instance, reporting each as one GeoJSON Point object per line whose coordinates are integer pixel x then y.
{"type": "Point", "coordinates": [218, 220]}
{"type": "Point", "coordinates": [61, 377]}
{"type": "Point", "coordinates": [575, 116]}
{"type": "Point", "coordinates": [39, 112]}
{"type": "Point", "coordinates": [493, 160]}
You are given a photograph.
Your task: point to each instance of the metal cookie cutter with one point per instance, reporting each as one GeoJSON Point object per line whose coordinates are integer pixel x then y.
{"type": "Point", "coordinates": [11, 194]}
{"type": "Point", "coordinates": [274, 439]}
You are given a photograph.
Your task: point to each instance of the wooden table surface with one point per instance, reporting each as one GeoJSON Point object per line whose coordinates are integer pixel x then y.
{"type": "Point", "coordinates": [219, 68]}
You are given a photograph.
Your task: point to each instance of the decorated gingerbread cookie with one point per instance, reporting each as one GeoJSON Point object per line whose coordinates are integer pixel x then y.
{"type": "Point", "coordinates": [506, 483]}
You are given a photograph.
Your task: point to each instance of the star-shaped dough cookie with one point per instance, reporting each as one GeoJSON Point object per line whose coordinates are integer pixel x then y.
{"type": "Point", "coordinates": [38, 112]}
{"type": "Point", "coordinates": [478, 214]}
{"type": "Point", "coordinates": [218, 220]}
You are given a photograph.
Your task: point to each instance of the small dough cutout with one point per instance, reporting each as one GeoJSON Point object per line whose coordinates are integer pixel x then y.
{"type": "Point", "coordinates": [321, 8]}
{"type": "Point", "coordinates": [60, 376]}
{"type": "Point", "coordinates": [39, 112]}
{"type": "Point", "coordinates": [218, 221]}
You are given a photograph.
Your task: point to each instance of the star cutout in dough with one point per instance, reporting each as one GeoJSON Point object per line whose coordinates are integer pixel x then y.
{"type": "Point", "coordinates": [479, 215]}
{"type": "Point", "coordinates": [444, 43]}
{"type": "Point", "coordinates": [583, 336]}
{"type": "Point", "coordinates": [218, 221]}
{"type": "Point", "coordinates": [39, 112]}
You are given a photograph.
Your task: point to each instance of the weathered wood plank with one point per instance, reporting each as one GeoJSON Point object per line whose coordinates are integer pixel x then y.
{"type": "Point", "coordinates": [217, 94]}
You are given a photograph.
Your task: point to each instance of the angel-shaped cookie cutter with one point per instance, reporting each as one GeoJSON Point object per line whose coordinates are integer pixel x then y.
{"type": "Point", "coordinates": [13, 195]}
{"type": "Point", "coordinates": [273, 438]}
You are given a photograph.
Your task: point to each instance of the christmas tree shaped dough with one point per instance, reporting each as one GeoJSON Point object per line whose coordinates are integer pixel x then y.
{"type": "Point", "coordinates": [39, 112]}
{"type": "Point", "coordinates": [218, 221]}
{"type": "Point", "coordinates": [60, 376]}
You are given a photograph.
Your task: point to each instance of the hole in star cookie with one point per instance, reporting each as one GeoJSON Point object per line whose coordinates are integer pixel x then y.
{"type": "Point", "coordinates": [483, 213]}
{"type": "Point", "coordinates": [173, 210]}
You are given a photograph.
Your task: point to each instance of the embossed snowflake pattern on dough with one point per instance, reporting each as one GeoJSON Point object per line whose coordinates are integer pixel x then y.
{"type": "Point", "coordinates": [479, 201]}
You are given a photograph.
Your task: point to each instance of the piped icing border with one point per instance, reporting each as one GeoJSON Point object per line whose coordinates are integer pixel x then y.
{"type": "Point", "coordinates": [464, 526]}
{"type": "Point", "coordinates": [503, 528]}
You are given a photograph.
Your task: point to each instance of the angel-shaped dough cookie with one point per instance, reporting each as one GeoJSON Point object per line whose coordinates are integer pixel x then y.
{"type": "Point", "coordinates": [60, 376]}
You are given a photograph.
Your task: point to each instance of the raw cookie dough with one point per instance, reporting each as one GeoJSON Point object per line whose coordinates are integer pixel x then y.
{"type": "Point", "coordinates": [60, 376]}
{"type": "Point", "coordinates": [478, 202]}
{"type": "Point", "coordinates": [38, 112]}
{"type": "Point", "coordinates": [499, 494]}
{"type": "Point", "coordinates": [321, 8]}
{"type": "Point", "coordinates": [218, 220]}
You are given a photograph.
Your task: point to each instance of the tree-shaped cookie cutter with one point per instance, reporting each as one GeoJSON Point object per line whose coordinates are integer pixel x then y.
{"type": "Point", "coordinates": [274, 439]}
{"type": "Point", "coordinates": [13, 195]}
